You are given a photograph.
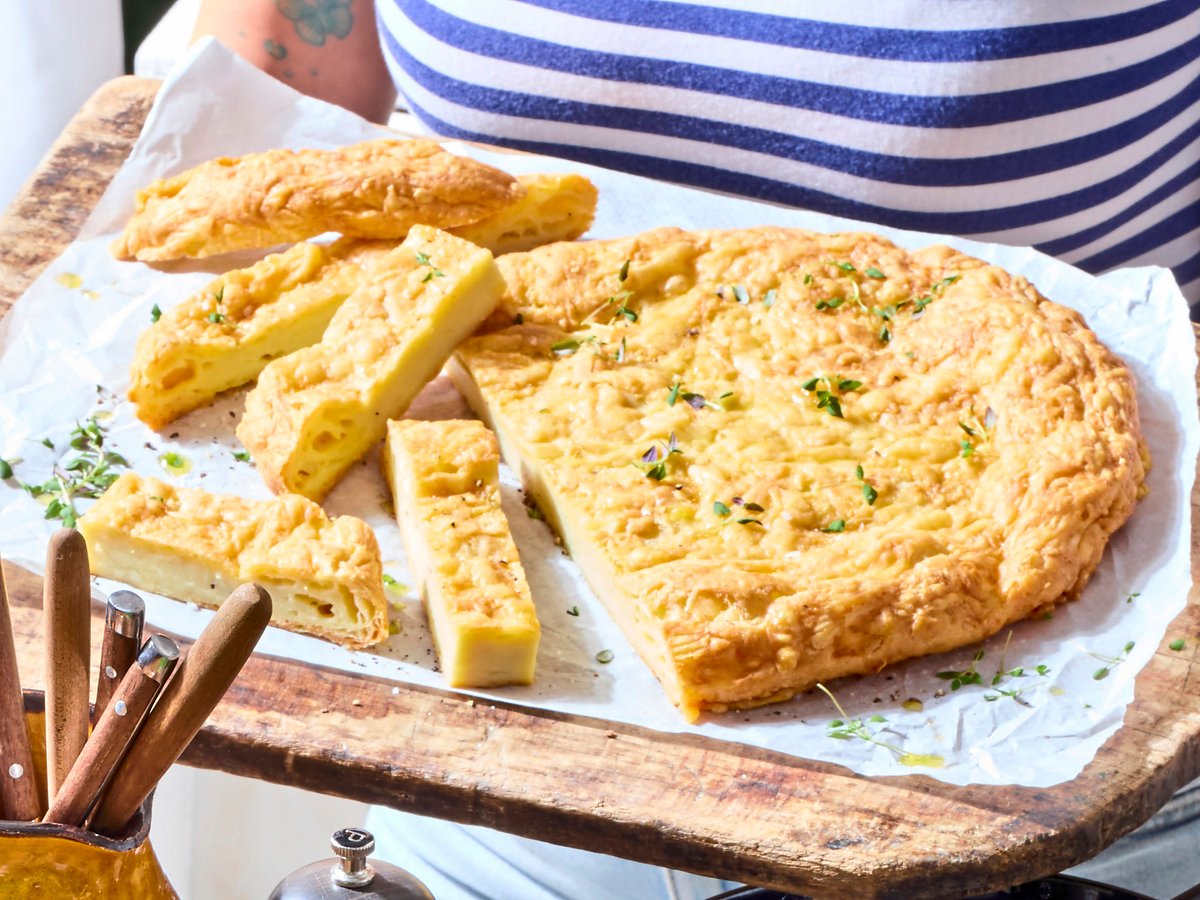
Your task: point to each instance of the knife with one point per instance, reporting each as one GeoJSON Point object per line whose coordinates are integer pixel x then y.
{"type": "Point", "coordinates": [124, 617]}
{"type": "Point", "coordinates": [18, 790]}
{"type": "Point", "coordinates": [200, 681]}
{"type": "Point", "coordinates": [65, 605]}
{"type": "Point", "coordinates": [114, 730]}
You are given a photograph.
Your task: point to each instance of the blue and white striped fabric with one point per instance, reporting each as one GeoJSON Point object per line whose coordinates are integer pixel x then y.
{"type": "Point", "coordinates": [1074, 127]}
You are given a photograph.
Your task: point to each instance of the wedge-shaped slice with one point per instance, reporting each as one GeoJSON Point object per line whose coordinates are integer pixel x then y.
{"type": "Point", "coordinates": [376, 189]}
{"type": "Point", "coordinates": [553, 208]}
{"type": "Point", "coordinates": [324, 576]}
{"type": "Point", "coordinates": [318, 410]}
{"type": "Point", "coordinates": [222, 337]}
{"type": "Point", "coordinates": [444, 483]}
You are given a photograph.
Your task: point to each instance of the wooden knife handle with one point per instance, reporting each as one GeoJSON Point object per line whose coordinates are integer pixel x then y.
{"type": "Point", "coordinates": [18, 790]}
{"type": "Point", "coordinates": [124, 615]}
{"type": "Point", "coordinates": [200, 682]}
{"type": "Point", "coordinates": [65, 605]}
{"type": "Point", "coordinates": [113, 732]}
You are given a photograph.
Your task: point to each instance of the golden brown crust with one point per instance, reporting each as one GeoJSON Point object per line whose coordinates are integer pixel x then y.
{"type": "Point", "coordinates": [377, 189]}
{"type": "Point", "coordinates": [314, 412]}
{"type": "Point", "coordinates": [977, 518]}
{"type": "Point", "coordinates": [325, 576]}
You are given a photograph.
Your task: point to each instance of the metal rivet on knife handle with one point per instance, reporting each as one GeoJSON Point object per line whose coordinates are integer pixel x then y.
{"type": "Point", "coordinates": [207, 671]}
{"type": "Point", "coordinates": [116, 727]}
{"type": "Point", "coordinates": [18, 791]}
{"type": "Point", "coordinates": [66, 607]}
{"type": "Point", "coordinates": [123, 619]}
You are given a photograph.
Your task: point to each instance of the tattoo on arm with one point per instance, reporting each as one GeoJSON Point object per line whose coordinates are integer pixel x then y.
{"type": "Point", "coordinates": [315, 20]}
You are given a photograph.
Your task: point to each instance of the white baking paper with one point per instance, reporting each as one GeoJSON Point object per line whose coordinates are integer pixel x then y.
{"type": "Point", "coordinates": [68, 343]}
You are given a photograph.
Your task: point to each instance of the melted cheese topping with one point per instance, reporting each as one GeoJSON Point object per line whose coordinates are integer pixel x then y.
{"type": "Point", "coordinates": [324, 576]}
{"type": "Point", "coordinates": [986, 446]}
{"type": "Point", "coordinates": [315, 412]}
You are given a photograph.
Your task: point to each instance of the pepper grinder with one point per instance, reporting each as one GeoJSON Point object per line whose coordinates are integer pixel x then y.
{"type": "Point", "coordinates": [349, 876]}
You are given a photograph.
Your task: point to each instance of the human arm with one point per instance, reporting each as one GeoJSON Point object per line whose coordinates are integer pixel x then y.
{"type": "Point", "coordinates": [324, 48]}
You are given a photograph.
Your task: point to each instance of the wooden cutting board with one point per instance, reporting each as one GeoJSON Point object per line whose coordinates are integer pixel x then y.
{"type": "Point", "coordinates": [678, 800]}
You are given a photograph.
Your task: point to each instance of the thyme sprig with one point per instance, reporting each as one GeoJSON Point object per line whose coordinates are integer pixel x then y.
{"type": "Point", "coordinates": [868, 490]}
{"type": "Point", "coordinates": [846, 728]}
{"type": "Point", "coordinates": [434, 271]}
{"type": "Point", "coordinates": [827, 397]}
{"type": "Point", "coordinates": [1110, 662]}
{"type": "Point", "coordinates": [696, 401]}
{"type": "Point", "coordinates": [654, 462]}
{"type": "Point", "coordinates": [86, 475]}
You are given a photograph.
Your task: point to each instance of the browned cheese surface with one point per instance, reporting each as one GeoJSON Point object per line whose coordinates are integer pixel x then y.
{"type": "Point", "coordinates": [696, 804]}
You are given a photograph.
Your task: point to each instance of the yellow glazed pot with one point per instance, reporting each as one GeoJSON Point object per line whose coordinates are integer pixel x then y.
{"type": "Point", "coordinates": [45, 860]}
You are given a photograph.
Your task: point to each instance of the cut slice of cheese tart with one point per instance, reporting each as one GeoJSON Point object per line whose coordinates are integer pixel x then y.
{"type": "Point", "coordinates": [315, 412]}
{"type": "Point", "coordinates": [324, 576]}
{"type": "Point", "coordinates": [223, 336]}
{"type": "Point", "coordinates": [446, 491]}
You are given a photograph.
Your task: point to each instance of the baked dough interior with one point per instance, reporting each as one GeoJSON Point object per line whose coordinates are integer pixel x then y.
{"type": "Point", "coordinates": [782, 457]}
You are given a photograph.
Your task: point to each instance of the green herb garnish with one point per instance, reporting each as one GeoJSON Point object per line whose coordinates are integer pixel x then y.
{"type": "Point", "coordinates": [1177, 644]}
{"type": "Point", "coordinates": [834, 527]}
{"type": "Point", "coordinates": [434, 271]}
{"type": "Point", "coordinates": [873, 272]}
{"type": "Point", "coordinates": [741, 294]}
{"type": "Point", "coordinates": [155, 313]}
{"type": "Point", "coordinates": [721, 509]}
{"type": "Point", "coordinates": [6, 470]}
{"type": "Point", "coordinates": [833, 303]}
{"type": "Point", "coordinates": [564, 347]}
{"type": "Point", "coordinates": [1110, 662]}
{"type": "Point", "coordinates": [216, 317]}
{"type": "Point", "coordinates": [623, 272]}
{"type": "Point", "coordinates": [573, 611]}
{"type": "Point", "coordinates": [604, 657]}
{"type": "Point", "coordinates": [846, 728]}
{"type": "Point", "coordinates": [241, 455]}
{"type": "Point", "coordinates": [869, 493]}
{"type": "Point", "coordinates": [86, 475]}
{"type": "Point", "coordinates": [1129, 598]}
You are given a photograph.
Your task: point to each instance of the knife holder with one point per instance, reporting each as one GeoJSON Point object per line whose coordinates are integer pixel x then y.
{"type": "Point", "coordinates": [48, 860]}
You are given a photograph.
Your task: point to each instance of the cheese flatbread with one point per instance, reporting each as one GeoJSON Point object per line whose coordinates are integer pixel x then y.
{"type": "Point", "coordinates": [781, 457]}
{"type": "Point", "coordinates": [376, 189]}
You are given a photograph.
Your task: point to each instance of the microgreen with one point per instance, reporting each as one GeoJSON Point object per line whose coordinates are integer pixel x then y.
{"type": "Point", "coordinates": [619, 356]}
{"type": "Point", "coordinates": [216, 317]}
{"type": "Point", "coordinates": [835, 527]}
{"type": "Point", "coordinates": [873, 272]}
{"type": "Point", "coordinates": [6, 470]}
{"type": "Point", "coordinates": [721, 509]}
{"type": "Point", "coordinates": [1177, 644]}
{"type": "Point", "coordinates": [827, 399]}
{"type": "Point", "coordinates": [155, 313]}
{"type": "Point", "coordinates": [832, 303]}
{"type": "Point", "coordinates": [573, 611]}
{"type": "Point", "coordinates": [565, 347]}
{"type": "Point", "coordinates": [623, 272]}
{"type": "Point", "coordinates": [393, 585]}
{"type": "Point", "coordinates": [626, 313]}
{"type": "Point", "coordinates": [1130, 597]}
{"type": "Point", "coordinates": [241, 455]}
{"type": "Point", "coordinates": [46, 442]}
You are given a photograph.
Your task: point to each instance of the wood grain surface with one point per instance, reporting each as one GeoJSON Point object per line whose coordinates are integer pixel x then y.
{"type": "Point", "coordinates": [688, 802]}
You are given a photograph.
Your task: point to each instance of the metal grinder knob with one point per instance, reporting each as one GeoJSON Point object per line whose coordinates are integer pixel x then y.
{"type": "Point", "coordinates": [350, 875]}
